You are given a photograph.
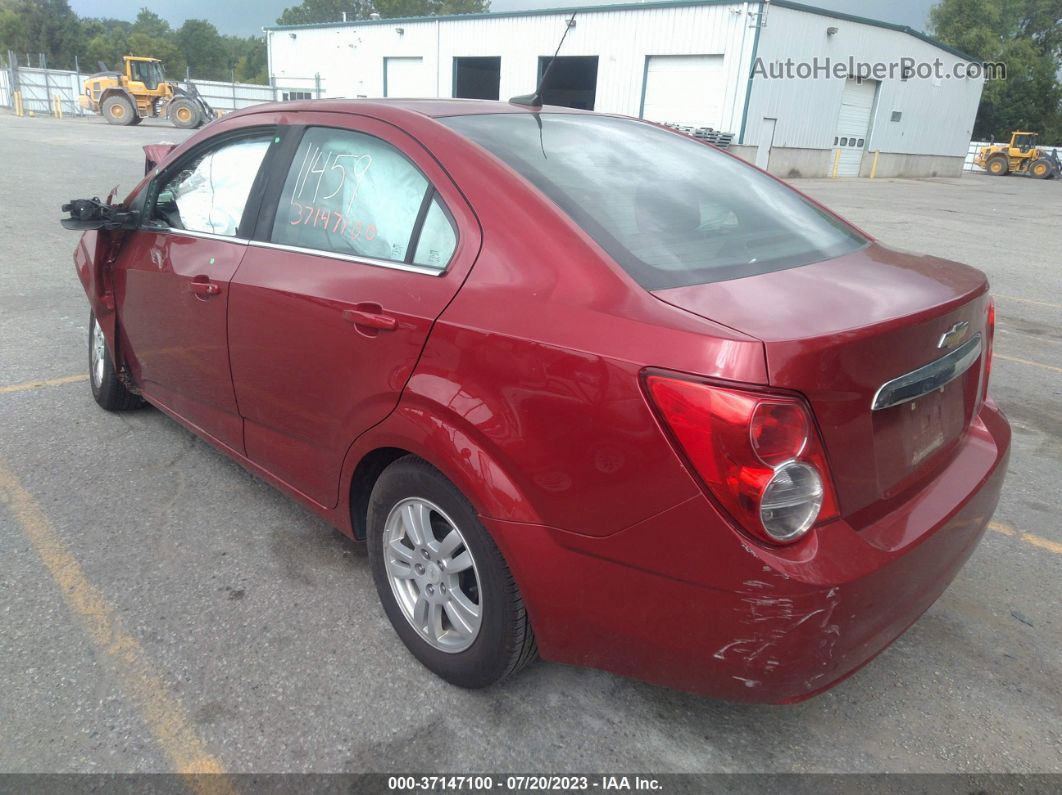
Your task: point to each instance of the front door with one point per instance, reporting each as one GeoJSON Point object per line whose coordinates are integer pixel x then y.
{"type": "Point", "coordinates": [172, 284]}
{"type": "Point", "coordinates": [334, 301]}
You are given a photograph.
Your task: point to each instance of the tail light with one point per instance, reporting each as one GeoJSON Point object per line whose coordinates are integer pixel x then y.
{"type": "Point", "coordinates": [758, 453]}
{"type": "Point", "coordinates": [990, 333]}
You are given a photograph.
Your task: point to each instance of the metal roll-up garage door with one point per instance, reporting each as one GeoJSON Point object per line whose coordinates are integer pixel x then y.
{"type": "Point", "coordinates": [853, 124]}
{"type": "Point", "coordinates": [406, 77]}
{"type": "Point", "coordinates": [684, 89]}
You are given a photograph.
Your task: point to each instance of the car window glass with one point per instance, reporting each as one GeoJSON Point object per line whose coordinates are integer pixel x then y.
{"type": "Point", "coordinates": [208, 193]}
{"type": "Point", "coordinates": [670, 210]}
{"type": "Point", "coordinates": [437, 238]}
{"type": "Point", "coordinates": [350, 193]}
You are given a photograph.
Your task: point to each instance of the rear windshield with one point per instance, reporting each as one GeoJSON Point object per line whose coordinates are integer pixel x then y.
{"type": "Point", "coordinates": [670, 210]}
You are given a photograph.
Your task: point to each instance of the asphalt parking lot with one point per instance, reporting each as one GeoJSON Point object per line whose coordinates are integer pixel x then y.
{"type": "Point", "coordinates": [161, 609]}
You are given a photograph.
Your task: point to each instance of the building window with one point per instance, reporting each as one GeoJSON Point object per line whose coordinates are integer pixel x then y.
{"type": "Point", "coordinates": [293, 95]}
{"type": "Point", "coordinates": [896, 115]}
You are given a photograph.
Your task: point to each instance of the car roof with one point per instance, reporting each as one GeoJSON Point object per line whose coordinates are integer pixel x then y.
{"type": "Point", "coordinates": [433, 108]}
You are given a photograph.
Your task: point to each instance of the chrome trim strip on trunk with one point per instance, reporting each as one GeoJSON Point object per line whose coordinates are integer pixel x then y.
{"type": "Point", "coordinates": [926, 379]}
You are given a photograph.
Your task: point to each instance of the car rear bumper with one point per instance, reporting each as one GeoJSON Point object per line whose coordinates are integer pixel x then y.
{"type": "Point", "coordinates": [683, 600]}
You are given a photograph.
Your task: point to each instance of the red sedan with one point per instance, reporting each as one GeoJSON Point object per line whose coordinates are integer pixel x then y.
{"type": "Point", "coordinates": [588, 388]}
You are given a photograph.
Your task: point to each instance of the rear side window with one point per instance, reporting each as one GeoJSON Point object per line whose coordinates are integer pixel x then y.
{"type": "Point", "coordinates": [355, 194]}
{"type": "Point", "coordinates": [437, 240]}
{"type": "Point", "coordinates": [670, 210]}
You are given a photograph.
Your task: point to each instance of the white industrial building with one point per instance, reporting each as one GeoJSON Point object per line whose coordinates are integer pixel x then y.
{"type": "Point", "coordinates": [694, 63]}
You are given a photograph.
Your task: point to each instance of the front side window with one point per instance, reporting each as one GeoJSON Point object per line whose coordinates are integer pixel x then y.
{"type": "Point", "coordinates": [354, 194]}
{"type": "Point", "coordinates": [208, 193]}
{"type": "Point", "coordinates": [668, 209]}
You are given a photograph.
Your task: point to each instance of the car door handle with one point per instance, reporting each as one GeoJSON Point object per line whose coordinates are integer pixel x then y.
{"type": "Point", "coordinates": [370, 316]}
{"type": "Point", "coordinates": [202, 286]}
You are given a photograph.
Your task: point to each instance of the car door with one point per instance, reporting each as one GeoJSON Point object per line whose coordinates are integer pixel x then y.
{"type": "Point", "coordinates": [362, 242]}
{"type": "Point", "coordinates": [172, 281]}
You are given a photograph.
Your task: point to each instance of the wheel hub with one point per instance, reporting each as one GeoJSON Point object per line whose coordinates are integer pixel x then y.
{"type": "Point", "coordinates": [432, 575]}
{"type": "Point", "coordinates": [97, 354]}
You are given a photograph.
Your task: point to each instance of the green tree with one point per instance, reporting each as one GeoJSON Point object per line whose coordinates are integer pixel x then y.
{"type": "Point", "coordinates": [14, 34]}
{"type": "Point", "coordinates": [40, 26]}
{"type": "Point", "coordinates": [103, 41]}
{"type": "Point", "coordinates": [252, 63]}
{"type": "Point", "coordinates": [311, 11]}
{"type": "Point", "coordinates": [152, 36]}
{"type": "Point", "coordinates": [205, 51]}
{"type": "Point", "coordinates": [1026, 35]}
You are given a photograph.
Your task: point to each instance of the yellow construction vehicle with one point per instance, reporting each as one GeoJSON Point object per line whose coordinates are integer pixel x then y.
{"type": "Point", "coordinates": [1021, 156]}
{"type": "Point", "coordinates": [142, 92]}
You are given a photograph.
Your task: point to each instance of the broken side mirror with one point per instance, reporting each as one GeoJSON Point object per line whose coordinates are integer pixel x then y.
{"type": "Point", "coordinates": [94, 214]}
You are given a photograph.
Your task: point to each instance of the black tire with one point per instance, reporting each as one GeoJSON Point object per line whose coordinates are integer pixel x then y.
{"type": "Point", "coordinates": [997, 165]}
{"type": "Point", "coordinates": [137, 118]}
{"type": "Point", "coordinates": [1042, 169]}
{"type": "Point", "coordinates": [116, 109]}
{"type": "Point", "coordinates": [184, 114]}
{"type": "Point", "coordinates": [107, 389]}
{"type": "Point", "coordinates": [505, 642]}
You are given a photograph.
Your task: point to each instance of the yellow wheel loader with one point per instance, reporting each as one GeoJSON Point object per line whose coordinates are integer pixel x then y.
{"type": "Point", "coordinates": [1021, 156]}
{"type": "Point", "coordinates": [142, 92]}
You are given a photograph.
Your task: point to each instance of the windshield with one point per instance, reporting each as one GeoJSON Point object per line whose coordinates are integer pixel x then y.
{"type": "Point", "coordinates": [670, 210]}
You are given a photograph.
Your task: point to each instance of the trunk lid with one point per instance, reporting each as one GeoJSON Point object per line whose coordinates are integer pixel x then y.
{"type": "Point", "coordinates": [837, 331]}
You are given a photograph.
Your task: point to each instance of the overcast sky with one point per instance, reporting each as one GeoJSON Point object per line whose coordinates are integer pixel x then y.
{"type": "Point", "coordinates": [244, 17]}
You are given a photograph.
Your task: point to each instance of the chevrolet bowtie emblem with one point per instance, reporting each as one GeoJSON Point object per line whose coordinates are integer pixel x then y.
{"type": "Point", "coordinates": [954, 335]}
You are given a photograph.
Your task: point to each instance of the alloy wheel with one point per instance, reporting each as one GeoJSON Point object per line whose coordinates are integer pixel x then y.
{"type": "Point", "coordinates": [97, 354]}
{"type": "Point", "coordinates": [432, 574]}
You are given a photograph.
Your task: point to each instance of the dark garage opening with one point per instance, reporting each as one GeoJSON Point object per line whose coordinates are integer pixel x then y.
{"type": "Point", "coordinates": [572, 81]}
{"type": "Point", "coordinates": [477, 78]}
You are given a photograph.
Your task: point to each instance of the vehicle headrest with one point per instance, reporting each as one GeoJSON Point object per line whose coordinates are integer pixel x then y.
{"type": "Point", "coordinates": [667, 212]}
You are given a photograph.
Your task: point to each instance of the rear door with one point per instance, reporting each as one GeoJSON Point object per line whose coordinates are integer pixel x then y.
{"type": "Point", "coordinates": [362, 243]}
{"type": "Point", "coordinates": [172, 281]}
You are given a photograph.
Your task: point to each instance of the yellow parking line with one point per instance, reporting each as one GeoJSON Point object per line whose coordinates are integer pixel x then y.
{"type": "Point", "coordinates": [164, 714]}
{"type": "Point", "coordinates": [70, 379]}
{"type": "Point", "coordinates": [1043, 543]}
{"type": "Point", "coordinates": [1027, 301]}
{"type": "Point", "coordinates": [1029, 538]}
{"type": "Point", "coordinates": [1027, 361]}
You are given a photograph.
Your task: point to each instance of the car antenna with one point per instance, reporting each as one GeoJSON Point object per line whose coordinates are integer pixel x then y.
{"type": "Point", "coordinates": [535, 100]}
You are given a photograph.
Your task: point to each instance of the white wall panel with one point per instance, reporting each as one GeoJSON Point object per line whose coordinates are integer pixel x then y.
{"type": "Point", "coordinates": [936, 117]}
{"type": "Point", "coordinates": [350, 57]}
